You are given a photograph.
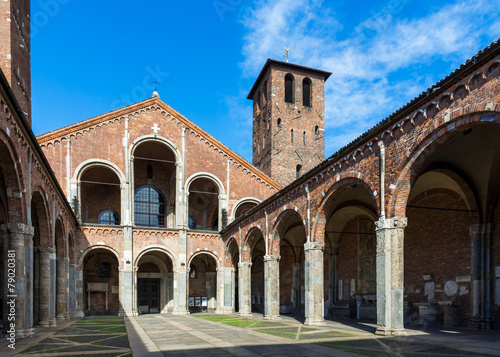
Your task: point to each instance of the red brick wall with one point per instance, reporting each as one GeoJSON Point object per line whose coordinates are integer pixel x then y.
{"type": "Point", "coordinates": [437, 243]}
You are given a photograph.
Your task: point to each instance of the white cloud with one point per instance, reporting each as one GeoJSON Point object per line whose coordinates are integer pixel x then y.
{"type": "Point", "coordinates": [367, 64]}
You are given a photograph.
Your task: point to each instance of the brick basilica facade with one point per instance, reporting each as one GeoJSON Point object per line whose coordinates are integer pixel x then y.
{"type": "Point", "coordinates": [141, 211]}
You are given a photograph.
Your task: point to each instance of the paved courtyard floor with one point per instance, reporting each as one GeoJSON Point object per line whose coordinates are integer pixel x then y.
{"type": "Point", "coordinates": [231, 335]}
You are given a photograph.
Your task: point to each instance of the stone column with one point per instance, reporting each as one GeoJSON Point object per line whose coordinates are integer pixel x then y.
{"type": "Point", "coordinates": [245, 288]}
{"type": "Point", "coordinates": [62, 289]}
{"type": "Point", "coordinates": [213, 299]}
{"type": "Point", "coordinates": [53, 280]}
{"type": "Point", "coordinates": [314, 294]}
{"type": "Point", "coordinates": [30, 277]}
{"type": "Point", "coordinates": [272, 287]}
{"type": "Point", "coordinates": [390, 274]}
{"type": "Point", "coordinates": [181, 282]}
{"type": "Point", "coordinates": [227, 287]}
{"type": "Point", "coordinates": [480, 276]}
{"type": "Point", "coordinates": [219, 306]}
{"type": "Point", "coordinates": [79, 297]}
{"type": "Point", "coordinates": [44, 305]}
{"type": "Point", "coordinates": [15, 292]}
{"type": "Point", "coordinates": [126, 279]}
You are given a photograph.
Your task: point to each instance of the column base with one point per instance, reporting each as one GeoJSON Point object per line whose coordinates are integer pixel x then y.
{"type": "Point", "coordinates": [76, 314]}
{"type": "Point", "coordinates": [272, 317]}
{"type": "Point", "coordinates": [180, 312]}
{"type": "Point", "coordinates": [245, 314]}
{"type": "Point", "coordinates": [123, 313]}
{"type": "Point", "coordinates": [387, 331]}
{"type": "Point", "coordinates": [23, 333]}
{"type": "Point", "coordinates": [60, 318]}
{"type": "Point", "coordinates": [43, 324]}
{"type": "Point", "coordinates": [52, 322]}
{"type": "Point", "coordinates": [311, 321]}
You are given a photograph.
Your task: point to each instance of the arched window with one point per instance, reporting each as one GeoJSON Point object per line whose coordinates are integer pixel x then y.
{"type": "Point", "coordinates": [306, 92]}
{"type": "Point", "coordinates": [304, 138]}
{"type": "Point", "coordinates": [264, 94]}
{"type": "Point", "coordinates": [291, 136]}
{"type": "Point", "coordinates": [149, 206]}
{"type": "Point", "coordinates": [298, 171]}
{"type": "Point", "coordinates": [279, 123]}
{"type": "Point", "coordinates": [289, 88]}
{"type": "Point", "coordinates": [109, 217]}
{"type": "Point", "coordinates": [316, 130]}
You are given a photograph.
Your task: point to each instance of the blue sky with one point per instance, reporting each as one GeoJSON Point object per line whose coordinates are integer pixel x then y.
{"type": "Point", "coordinates": [90, 57]}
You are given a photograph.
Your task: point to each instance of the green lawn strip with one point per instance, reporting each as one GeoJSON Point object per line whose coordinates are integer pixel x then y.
{"type": "Point", "coordinates": [309, 329]}
{"type": "Point", "coordinates": [444, 351]}
{"type": "Point", "coordinates": [118, 341]}
{"type": "Point", "coordinates": [40, 347]}
{"type": "Point", "coordinates": [358, 343]}
{"type": "Point", "coordinates": [82, 348]}
{"type": "Point", "coordinates": [243, 323]}
{"type": "Point", "coordinates": [218, 318]}
{"type": "Point", "coordinates": [262, 323]}
{"type": "Point", "coordinates": [85, 338]}
{"type": "Point", "coordinates": [78, 331]}
{"type": "Point", "coordinates": [273, 332]}
{"type": "Point", "coordinates": [322, 335]}
{"type": "Point", "coordinates": [107, 320]}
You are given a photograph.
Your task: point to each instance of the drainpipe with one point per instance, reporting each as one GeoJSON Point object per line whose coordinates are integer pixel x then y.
{"type": "Point", "coordinates": [382, 179]}
{"type": "Point", "coordinates": [267, 236]}
{"type": "Point", "coordinates": [308, 214]}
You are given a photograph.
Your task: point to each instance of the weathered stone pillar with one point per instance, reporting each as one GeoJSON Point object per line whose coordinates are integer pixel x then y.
{"type": "Point", "coordinates": [219, 306]}
{"type": "Point", "coordinates": [53, 292]}
{"type": "Point", "coordinates": [314, 294]}
{"type": "Point", "coordinates": [15, 291]}
{"type": "Point", "coordinates": [44, 305]}
{"type": "Point", "coordinates": [245, 288]}
{"type": "Point", "coordinates": [79, 297]}
{"type": "Point", "coordinates": [272, 287]}
{"type": "Point", "coordinates": [480, 276]}
{"type": "Point", "coordinates": [181, 281]}
{"type": "Point", "coordinates": [127, 277]}
{"type": "Point", "coordinates": [29, 266]}
{"type": "Point", "coordinates": [390, 274]}
{"type": "Point", "coordinates": [62, 313]}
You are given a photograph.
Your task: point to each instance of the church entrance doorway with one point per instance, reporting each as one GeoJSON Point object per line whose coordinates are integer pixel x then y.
{"type": "Point", "coordinates": [149, 295]}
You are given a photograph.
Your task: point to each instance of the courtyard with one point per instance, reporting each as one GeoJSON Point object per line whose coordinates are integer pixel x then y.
{"type": "Point", "coordinates": [231, 335]}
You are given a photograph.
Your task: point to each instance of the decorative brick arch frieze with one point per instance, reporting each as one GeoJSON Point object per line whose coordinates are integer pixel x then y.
{"type": "Point", "coordinates": [218, 260]}
{"type": "Point", "coordinates": [323, 210]}
{"type": "Point", "coordinates": [155, 248]}
{"type": "Point", "coordinates": [93, 248]}
{"type": "Point", "coordinates": [410, 170]}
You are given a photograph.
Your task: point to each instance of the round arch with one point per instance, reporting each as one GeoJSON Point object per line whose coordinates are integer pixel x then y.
{"type": "Point", "coordinates": [412, 166]}
{"type": "Point", "coordinates": [97, 247]}
{"type": "Point", "coordinates": [155, 248]}
{"type": "Point", "coordinates": [241, 202]}
{"type": "Point", "coordinates": [157, 139]}
{"type": "Point", "coordinates": [87, 164]}
{"type": "Point", "coordinates": [208, 176]}
{"type": "Point", "coordinates": [200, 252]}
{"type": "Point", "coordinates": [325, 208]}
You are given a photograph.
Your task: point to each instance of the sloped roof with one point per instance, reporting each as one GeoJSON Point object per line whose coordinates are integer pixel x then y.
{"type": "Point", "coordinates": [146, 103]}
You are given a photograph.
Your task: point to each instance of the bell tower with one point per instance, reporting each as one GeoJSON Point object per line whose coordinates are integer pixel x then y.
{"type": "Point", "coordinates": [15, 50]}
{"type": "Point", "coordinates": [288, 120]}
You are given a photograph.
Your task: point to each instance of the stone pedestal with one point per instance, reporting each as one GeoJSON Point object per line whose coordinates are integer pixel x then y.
{"type": "Point", "coordinates": [390, 273]}
{"type": "Point", "coordinates": [271, 287]}
{"type": "Point", "coordinates": [314, 293]}
{"type": "Point", "coordinates": [245, 288]}
{"type": "Point", "coordinates": [77, 310]}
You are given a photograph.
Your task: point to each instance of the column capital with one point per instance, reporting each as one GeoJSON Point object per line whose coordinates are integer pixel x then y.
{"type": "Point", "coordinates": [43, 249]}
{"type": "Point", "coordinates": [18, 228]}
{"type": "Point", "coordinates": [272, 257]}
{"type": "Point", "coordinates": [314, 246]}
{"type": "Point", "coordinates": [479, 228]}
{"type": "Point", "coordinates": [62, 259]}
{"type": "Point", "coordinates": [391, 223]}
{"type": "Point", "coordinates": [244, 264]}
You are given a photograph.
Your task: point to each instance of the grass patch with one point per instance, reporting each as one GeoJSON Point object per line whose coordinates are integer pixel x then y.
{"type": "Point", "coordinates": [42, 348]}
{"type": "Point", "coordinates": [308, 329]}
{"type": "Point", "coordinates": [274, 332]}
{"type": "Point", "coordinates": [84, 338]}
{"type": "Point", "coordinates": [82, 348]}
{"type": "Point", "coordinates": [262, 323]}
{"type": "Point", "coordinates": [120, 341]}
{"type": "Point", "coordinates": [242, 323]}
{"type": "Point", "coordinates": [218, 318]}
{"type": "Point", "coordinates": [120, 329]}
{"type": "Point", "coordinates": [322, 335]}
